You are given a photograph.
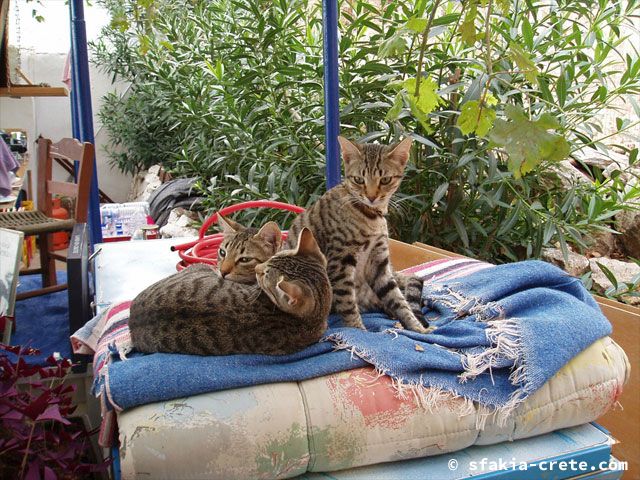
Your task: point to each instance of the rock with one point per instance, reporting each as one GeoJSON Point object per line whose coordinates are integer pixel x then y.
{"type": "Point", "coordinates": [602, 244]}
{"type": "Point", "coordinates": [622, 271]}
{"type": "Point", "coordinates": [595, 158]}
{"type": "Point", "coordinates": [569, 175]}
{"type": "Point", "coordinates": [576, 266]}
{"type": "Point", "coordinates": [144, 184]}
{"type": "Point", "coordinates": [629, 227]}
{"type": "Point", "coordinates": [179, 224]}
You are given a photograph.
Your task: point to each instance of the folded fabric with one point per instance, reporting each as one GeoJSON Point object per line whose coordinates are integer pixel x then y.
{"type": "Point", "coordinates": [179, 192]}
{"type": "Point", "coordinates": [8, 164]}
{"type": "Point", "coordinates": [502, 332]}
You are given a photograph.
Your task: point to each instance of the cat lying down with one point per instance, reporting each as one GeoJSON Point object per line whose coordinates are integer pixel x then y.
{"type": "Point", "coordinates": [197, 311]}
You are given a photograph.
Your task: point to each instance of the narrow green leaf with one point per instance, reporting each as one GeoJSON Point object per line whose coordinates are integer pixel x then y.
{"type": "Point", "coordinates": [439, 193]}
{"type": "Point", "coordinates": [395, 110]}
{"type": "Point", "coordinates": [609, 274]}
{"type": "Point", "coordinates": [527, 33]}
{"type": "Point", "coordinates": [461, 229]}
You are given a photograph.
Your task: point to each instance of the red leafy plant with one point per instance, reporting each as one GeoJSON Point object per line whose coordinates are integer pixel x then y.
{"type": "Point", "coordinates": [37, 438]}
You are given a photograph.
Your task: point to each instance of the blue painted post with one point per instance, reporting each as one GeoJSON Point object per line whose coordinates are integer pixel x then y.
{"type": "Point", "coordinates": [73, 98]}
{"type": "Point", "coordinates": [75, 125]}
{"type": "Point", "coordinates": [331, 91]}
{"type": "Point", "coordinates": [81, 85]}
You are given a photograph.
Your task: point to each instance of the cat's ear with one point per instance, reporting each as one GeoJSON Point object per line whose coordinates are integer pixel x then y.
{"type": "Point", "coordinates": [292, 292]}
{"type": "Point", "coordinates": [307, 245]}
{"type": "Point", "coordinates": [229, 226]}
{"type": "Point", "coordinates": [349, 149]}
{"type": "Point", "coordinates": [271, 234]}
{"type": "Point", "coordinates": [400, 152]}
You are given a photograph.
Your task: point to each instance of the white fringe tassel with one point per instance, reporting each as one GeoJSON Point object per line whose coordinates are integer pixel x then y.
{"type": "Point", "coordinates": [430, 398]}
{"type": "Point", "coordinates": [504, 335]}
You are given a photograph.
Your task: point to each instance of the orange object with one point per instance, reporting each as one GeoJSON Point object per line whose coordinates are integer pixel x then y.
{"type": "Point", "coordinates": [29, 244]}
{"type": "Point", "coordinates": [60, 239]}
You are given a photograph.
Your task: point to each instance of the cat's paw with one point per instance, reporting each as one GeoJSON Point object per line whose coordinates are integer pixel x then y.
{"type": "Point", "coordinates": [411, 322]}
{"type": "Point", "coordinates": [353, 322]}
{"type": "Point", "coordinates": [423, 329]}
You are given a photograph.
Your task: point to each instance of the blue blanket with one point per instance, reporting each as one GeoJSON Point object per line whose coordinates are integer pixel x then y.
{"type": "Point", "coordinates": [502, 333]}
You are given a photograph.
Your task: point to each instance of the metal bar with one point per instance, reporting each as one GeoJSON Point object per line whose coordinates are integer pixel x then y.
{"type": "Point", "coordinates": [82, 89]}
{"type": "Point", "coordinates": [331, 91]}
{"type": "Point", "coordinates": [73, 99]}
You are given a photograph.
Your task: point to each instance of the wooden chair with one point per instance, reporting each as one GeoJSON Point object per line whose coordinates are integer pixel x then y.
{"type": "Point", "coordinates": [40, 221]}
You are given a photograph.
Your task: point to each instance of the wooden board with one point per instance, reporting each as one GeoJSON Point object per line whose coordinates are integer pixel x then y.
{"type": "Point", "coordinates": [18, 91]}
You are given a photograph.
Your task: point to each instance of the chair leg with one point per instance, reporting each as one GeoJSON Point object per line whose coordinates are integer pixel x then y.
{"type": "Point", "coordinates": [47, 262]}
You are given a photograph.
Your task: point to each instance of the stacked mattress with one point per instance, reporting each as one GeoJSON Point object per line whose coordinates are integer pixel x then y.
{"type": "Point", "coordinates": [346, 420]}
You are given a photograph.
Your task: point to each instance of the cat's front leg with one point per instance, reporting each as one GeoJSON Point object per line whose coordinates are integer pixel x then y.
{"type": "Point", "coordinates": [382, 281]}
{"type": "Point", "coordinates": [342, 272]}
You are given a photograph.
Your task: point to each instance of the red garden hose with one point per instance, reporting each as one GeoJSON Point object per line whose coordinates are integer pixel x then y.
{"type": "Point", "coordinates": [205, 249]}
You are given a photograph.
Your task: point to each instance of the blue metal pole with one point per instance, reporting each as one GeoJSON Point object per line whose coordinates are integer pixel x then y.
{"type": "Point", "coordinates": [331, 91]}
{"type": "Point", "coordinates": [75, 126]}
{"type": "Point", "coordinates": [82, 91]}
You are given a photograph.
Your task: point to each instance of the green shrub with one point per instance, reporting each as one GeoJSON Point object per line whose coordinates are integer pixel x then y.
{"type": "Point", "coordinates": [231, 91]}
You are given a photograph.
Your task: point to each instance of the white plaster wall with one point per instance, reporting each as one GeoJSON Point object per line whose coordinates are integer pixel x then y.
{"type": "Point", "coordinates": [43, 51]}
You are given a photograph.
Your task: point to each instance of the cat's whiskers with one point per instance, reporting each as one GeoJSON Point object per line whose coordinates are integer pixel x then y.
{"type": "Point", "coordinates": [254, 296]}
{"type": "Point", "coordinates": [398, 206]}
{"type": "Point", "coordinates": [349, 201]}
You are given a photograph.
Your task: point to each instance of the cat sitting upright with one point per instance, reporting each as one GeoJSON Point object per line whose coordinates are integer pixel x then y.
{"type": "Point", "coordinates": [349, 225]}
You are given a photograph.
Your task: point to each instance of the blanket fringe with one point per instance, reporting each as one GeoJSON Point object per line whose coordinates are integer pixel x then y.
{"type": "Point", "coordinates": [505, 337]}
{"type": "Point", "coordinates": [461, 304]}
{"type": "Point", "coordinates": [431, 398]}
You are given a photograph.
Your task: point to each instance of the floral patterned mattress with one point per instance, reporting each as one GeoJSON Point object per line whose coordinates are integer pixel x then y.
{"type": "Point", "coordinates": [346, 420]}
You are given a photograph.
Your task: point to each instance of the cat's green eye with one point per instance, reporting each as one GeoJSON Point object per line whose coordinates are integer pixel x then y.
{"type": "Point", "coordinates": [222, 253]}
{"type": "Point", "coordinates": [245, 259]}
{"type": "Point", "coordinates": [385, 180]}
{"type": "Point", "coordinates": [358, 180]}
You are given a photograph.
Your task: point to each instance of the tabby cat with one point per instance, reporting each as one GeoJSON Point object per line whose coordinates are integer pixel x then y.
{"type": "Point", "coordinates": [243, 248]}
{"type": "Point", "coordinates": [349, 224]}
{"type": "Point", "coordinates": [196, 311]}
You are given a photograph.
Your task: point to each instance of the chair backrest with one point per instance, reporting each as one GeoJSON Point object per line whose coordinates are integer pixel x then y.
{"type": "Point", "coordinates": [72, 150]}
